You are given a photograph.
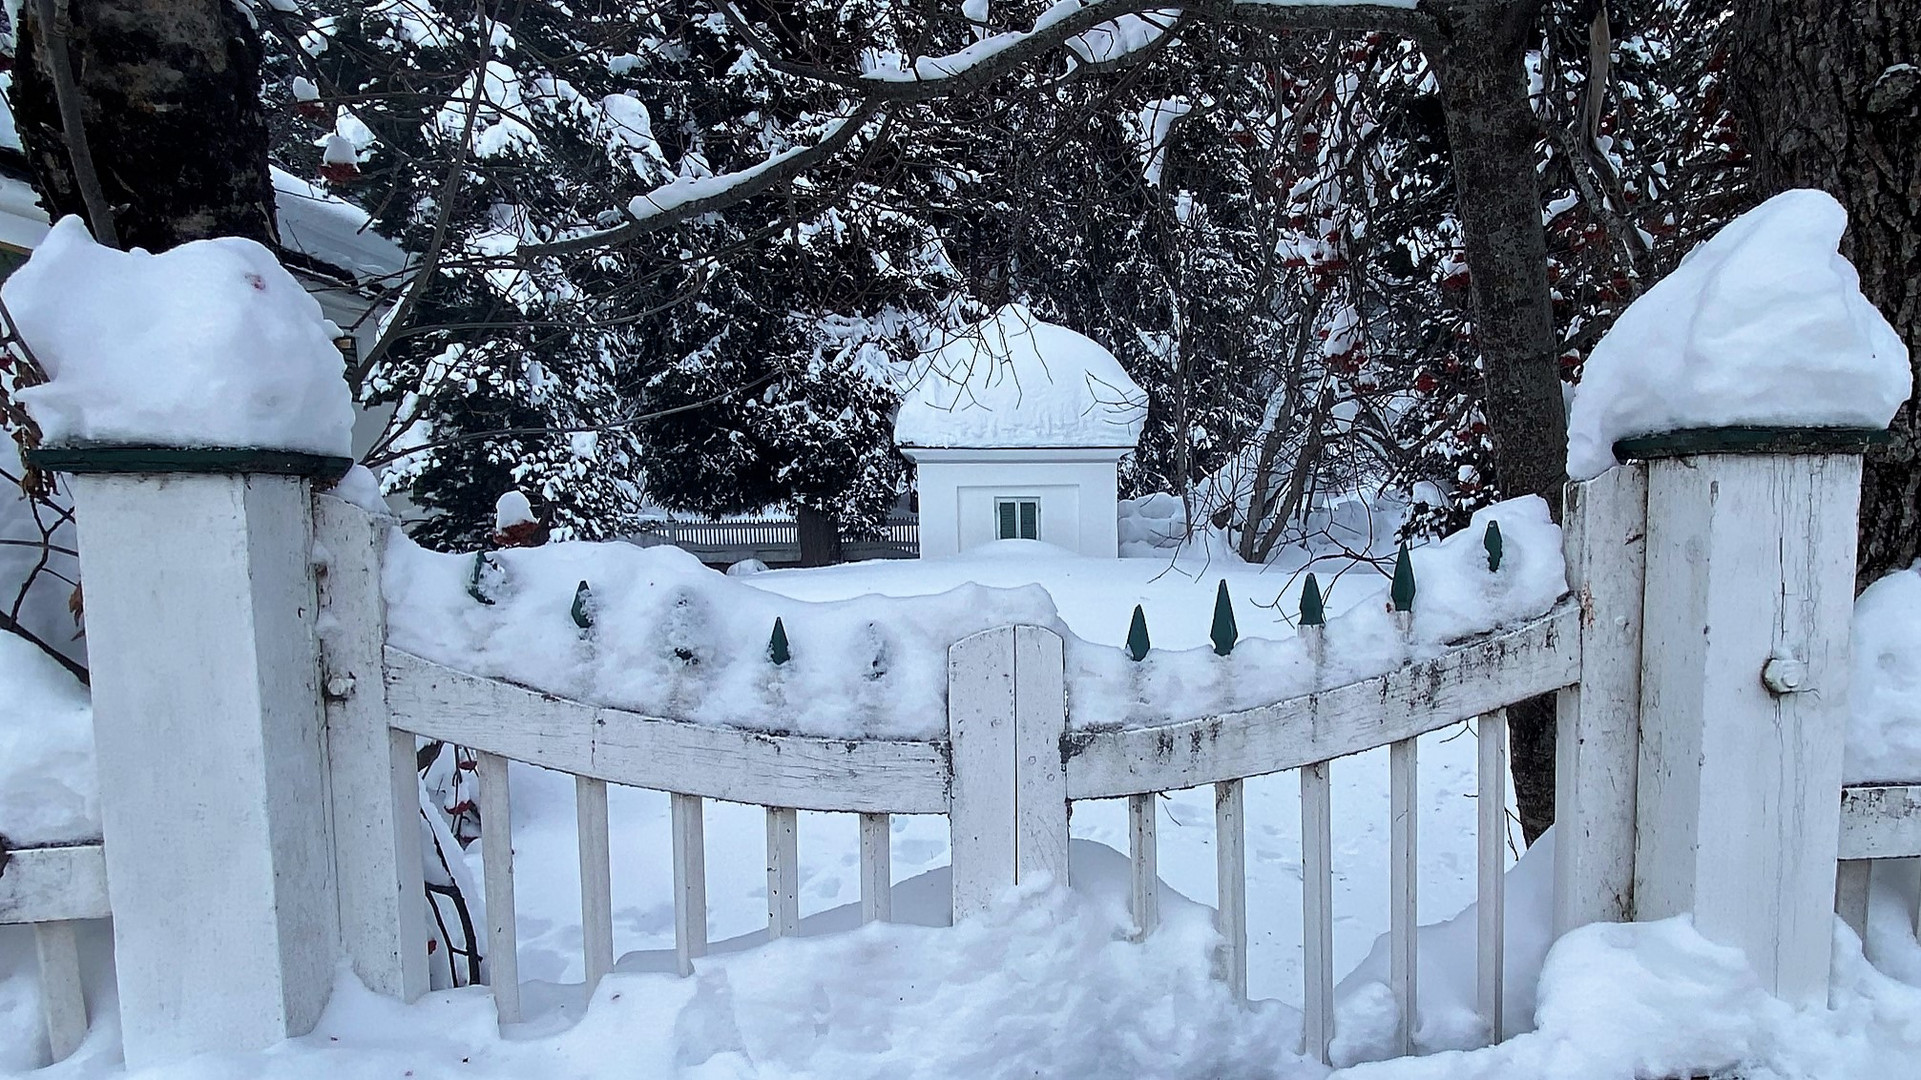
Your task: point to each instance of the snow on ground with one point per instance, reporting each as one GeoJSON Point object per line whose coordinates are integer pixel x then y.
{"type": "Point", "coordinates": [47, 788]}
{"type": "Point", "coordinates": [210, 344]}
{"type": "Point", "coordinates": [1764, 324]}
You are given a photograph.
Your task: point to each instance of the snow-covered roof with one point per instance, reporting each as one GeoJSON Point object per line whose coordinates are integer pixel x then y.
{"type": "Point", "coordinates": [1012, 382]}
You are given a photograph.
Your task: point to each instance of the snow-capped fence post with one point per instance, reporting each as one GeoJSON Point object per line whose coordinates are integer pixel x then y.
{"type": "Point", "coordinates": [374, 788]}
{"type": "Point", "coordinates": [1744, 689]}
{"type": "Point", "coordinates": [1006, 713]}
{"type": "Point", "coordinates": [1597, 749]}
{"type": "Point", "coordinates": [201, 613]}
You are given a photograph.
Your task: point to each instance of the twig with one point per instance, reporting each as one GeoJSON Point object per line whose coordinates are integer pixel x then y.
{"type": "Point", "coordinates": [54, 26]}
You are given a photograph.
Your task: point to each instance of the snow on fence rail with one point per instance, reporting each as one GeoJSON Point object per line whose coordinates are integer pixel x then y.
{"type": "Point", "coordinates": [210, 648]}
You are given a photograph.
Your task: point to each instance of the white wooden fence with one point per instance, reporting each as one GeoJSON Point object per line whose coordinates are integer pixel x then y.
{"type": "Point", "coordinates": [1708, 594]}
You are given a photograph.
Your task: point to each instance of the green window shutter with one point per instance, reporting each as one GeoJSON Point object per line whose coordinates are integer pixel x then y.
{"type": "Point", "coordinates": [1030, 521]}
{"type": "Point", "coordinates": [1006, 510]}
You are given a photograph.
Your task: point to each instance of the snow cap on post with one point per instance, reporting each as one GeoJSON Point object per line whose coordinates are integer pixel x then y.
{"type": "Point", "coordinates": [210, 345]}
{"type": "Point", "coordinates": [1763, 326]}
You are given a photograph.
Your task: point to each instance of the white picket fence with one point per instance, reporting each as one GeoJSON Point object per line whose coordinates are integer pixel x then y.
{"type": "Point", "coordinates": [1735, 569]}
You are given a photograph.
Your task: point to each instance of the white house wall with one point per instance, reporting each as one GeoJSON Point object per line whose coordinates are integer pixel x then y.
{"type": "Point", "coordinates": [1077, 502]}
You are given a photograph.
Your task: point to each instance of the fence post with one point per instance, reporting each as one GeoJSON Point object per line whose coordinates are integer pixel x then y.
{"type": "Point", "coordinates": [1006, 713]}
{"type": "Point", "coordinates": [1597, 748]}
{"type": "Point", "coordinates": [201, 612]}
{"type": "Point", "coordinates": [373, 785]}
{"type": "Point", "coordinates": [1744, 690]}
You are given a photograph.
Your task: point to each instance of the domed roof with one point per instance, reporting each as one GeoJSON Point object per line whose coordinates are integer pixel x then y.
{"type": "Point", "coordinates": [1014, 382]}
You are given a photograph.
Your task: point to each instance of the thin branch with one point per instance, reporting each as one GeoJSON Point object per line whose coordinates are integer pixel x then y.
{"type": "Point", "coordinates": [54, 28]}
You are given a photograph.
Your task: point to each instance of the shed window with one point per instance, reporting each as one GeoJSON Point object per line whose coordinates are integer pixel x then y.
{"type": "Point", "coordinates": [1019, 519]}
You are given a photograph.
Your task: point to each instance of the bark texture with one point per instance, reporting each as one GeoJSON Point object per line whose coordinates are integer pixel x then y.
{"type": "Point", "coordinates": [1492, 132]}
{"type": "Point", "coordinates": [1829, 95]}
{"type": "Point", "coordinates": [170, 98]}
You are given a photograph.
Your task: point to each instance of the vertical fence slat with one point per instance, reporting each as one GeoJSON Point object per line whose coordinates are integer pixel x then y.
{"type": "Point", "coordinates": [690, 881]}
{"type": "Point", "coordinates": [60, 994]}
{"type": "Point", "coordinates": [876, 869]}
{"type": "Point", "coordinates": [1143, 851]}
{"type": "Point", "coordinates": [1230, 866]}
{"type": "Point", "coordinates": [1852, 880]}
{"type": "Point", "coordinates": [783, 871]}
{"type": "Point", "coordinates": [497, 852]}
{"type": "Point", "coordinates": [596, 878]}
{"type": "Point", "coordinates": [1491, 889]}
{"type": "Point", "coordinates": [1317, 911]}
{"type": "Point", "coordinates": [1403, 888]}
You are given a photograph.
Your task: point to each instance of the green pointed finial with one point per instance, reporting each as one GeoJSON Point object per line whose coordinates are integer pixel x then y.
{"type": "Point", "coordinates": [777, 644]}
{"type": "Point", "coordinates": [1137, 643]}
{"type": "Point", "coordinates": [1224, 633]}
{"type": "Point", "coordinates": [1492, 542]}
{"type": "Point", "coordinates": [583, 609]}
{"type": "Point", "coordinates": [1313, 612]}
{"type": "Point", "coordinates": [473, 579]}
{"type": "Point", "coordinates": [1403, 591]}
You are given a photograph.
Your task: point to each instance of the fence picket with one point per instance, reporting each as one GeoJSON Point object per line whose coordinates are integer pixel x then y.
{"type": "Point", "coordinates": [596, 879]}
{"type": "Point", "coordinates": [497, 852]}
{"type": "Point", "coordinates": [876, 869]}
{"type": "Point", "coordinates": [1491, 889]}
{"type": "Point", "coordinates": [1144, 856]}
{"type": "Point", "coordinates": [1403, 888]}
{"type": "Point", "coordinates": [1853, 879]}
{"type": "Point", "coordinates": [783, 871]}
{"type": "Point", "coordinates": [1230, 866]}
{"type": "Point", "coordinates": [60, 993]}
{"type": "Point", "coordinates": [1317, 911]}
{"type": "Point", "coordinates": [690, 881]}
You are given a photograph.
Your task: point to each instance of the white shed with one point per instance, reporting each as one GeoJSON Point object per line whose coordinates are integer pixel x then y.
{"type": "Point", "coordinates": [1017, 428]}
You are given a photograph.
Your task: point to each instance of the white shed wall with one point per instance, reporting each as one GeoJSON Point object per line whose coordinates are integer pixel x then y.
{"type": "Point", "coordinates": [1078, 500]}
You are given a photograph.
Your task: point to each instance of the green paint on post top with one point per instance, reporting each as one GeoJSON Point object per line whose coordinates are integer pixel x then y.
{"type": "Point", "coordinates": [1492, 542]}
{"type": "Point", "coordinates": [777, 644]}
{"type": "Point", "coordinates": [1137, 643]}
{"type": "Point", "coordinates": [473, 580]}
{"type": "Point", "coordinates": [1313, 612]}
{"type": "Point", "coordinates": [583, 609]}
{"type": "Point", "coordinates": [1402, 592]}
{"type": "Point", "coordinates": [1223, 633]}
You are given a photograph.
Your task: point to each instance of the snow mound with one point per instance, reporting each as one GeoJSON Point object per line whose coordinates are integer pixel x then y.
{"type": "Point", "coordinates": [1764, 324]}
{"type": "Point", "coordinates": [47, 788]}
{"type": "Point", "coordinates": [210, 344]}
{"type": "Point", "coordinates": [1884, 696]}
{"type": "Point", "coordinates": [1014, 381]}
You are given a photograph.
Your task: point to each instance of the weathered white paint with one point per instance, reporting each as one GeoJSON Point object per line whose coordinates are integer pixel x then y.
{"type": "Point", "coordinates": [690, 880]}
{"type": "Point", "coordinates": [1006, 712]}
{"type": "Point", "coordinates": [497, 853]}
{"type": "Point", "coordinates": [1878, 821]}
{"type": "Point", "coordinates": [876, 869]}
{"type": "Point", "coordinates": [1230, 875]}
{"type": "Point", "coordinates": [200, 624]}
{"type": "Point", "coordinates": [596, 878]}
{"type": "Point", "coordinates": [864, 776]}
{"type": "Point", "coordinates": [1077, 490]}
{"type": "Point", "coordinates": [1598, 746]}
{"type": "Point", "coordinates": [54, 884]}
{"type": "Point", "coordinates": [1403, 889]}
{"type": "Point", "coordinates": [1852, 880]}
{"type": "Point", "coordinates": [1317, 911]}
{"type": "Point", "coordinates": [1490, 893]}
{"type": "Point", "coordinates": [1418, 697]}
{"type": "Point", "coordinates": [1143, 853]}
{"type": "Point", "coordinates": [1748, 556]}
{"type": "Point", "coordinates": [783, 872]}
{"type": "Point", "coordinates": [373, 790]}
{"type": "Point", "coordinates": [61, 997]}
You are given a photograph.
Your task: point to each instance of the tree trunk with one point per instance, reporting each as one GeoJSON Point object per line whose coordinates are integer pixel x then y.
{"type": "Point", "coordinates": [1492, 132]}
{"type": "Point", "coordinates": [169, 96]}
{"type": "Point", "coordinates": [819, 537]}
{"type": "Point", "coordinates": [1829, 95]}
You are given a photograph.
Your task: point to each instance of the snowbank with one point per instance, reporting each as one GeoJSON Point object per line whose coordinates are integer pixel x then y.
{"type": "Point", "coordinates": [1014, 381]}
{"type": "Point", "coordinates": [210, 344]}
{"type": "Point", "coordinates": [1884, 692]}
{"type": "Point", "coordinates": [47, 787]}
{"type": "Point", "coordinates": [1764, 324]}
{"type": "Point", "coordinates": [668, 637]}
